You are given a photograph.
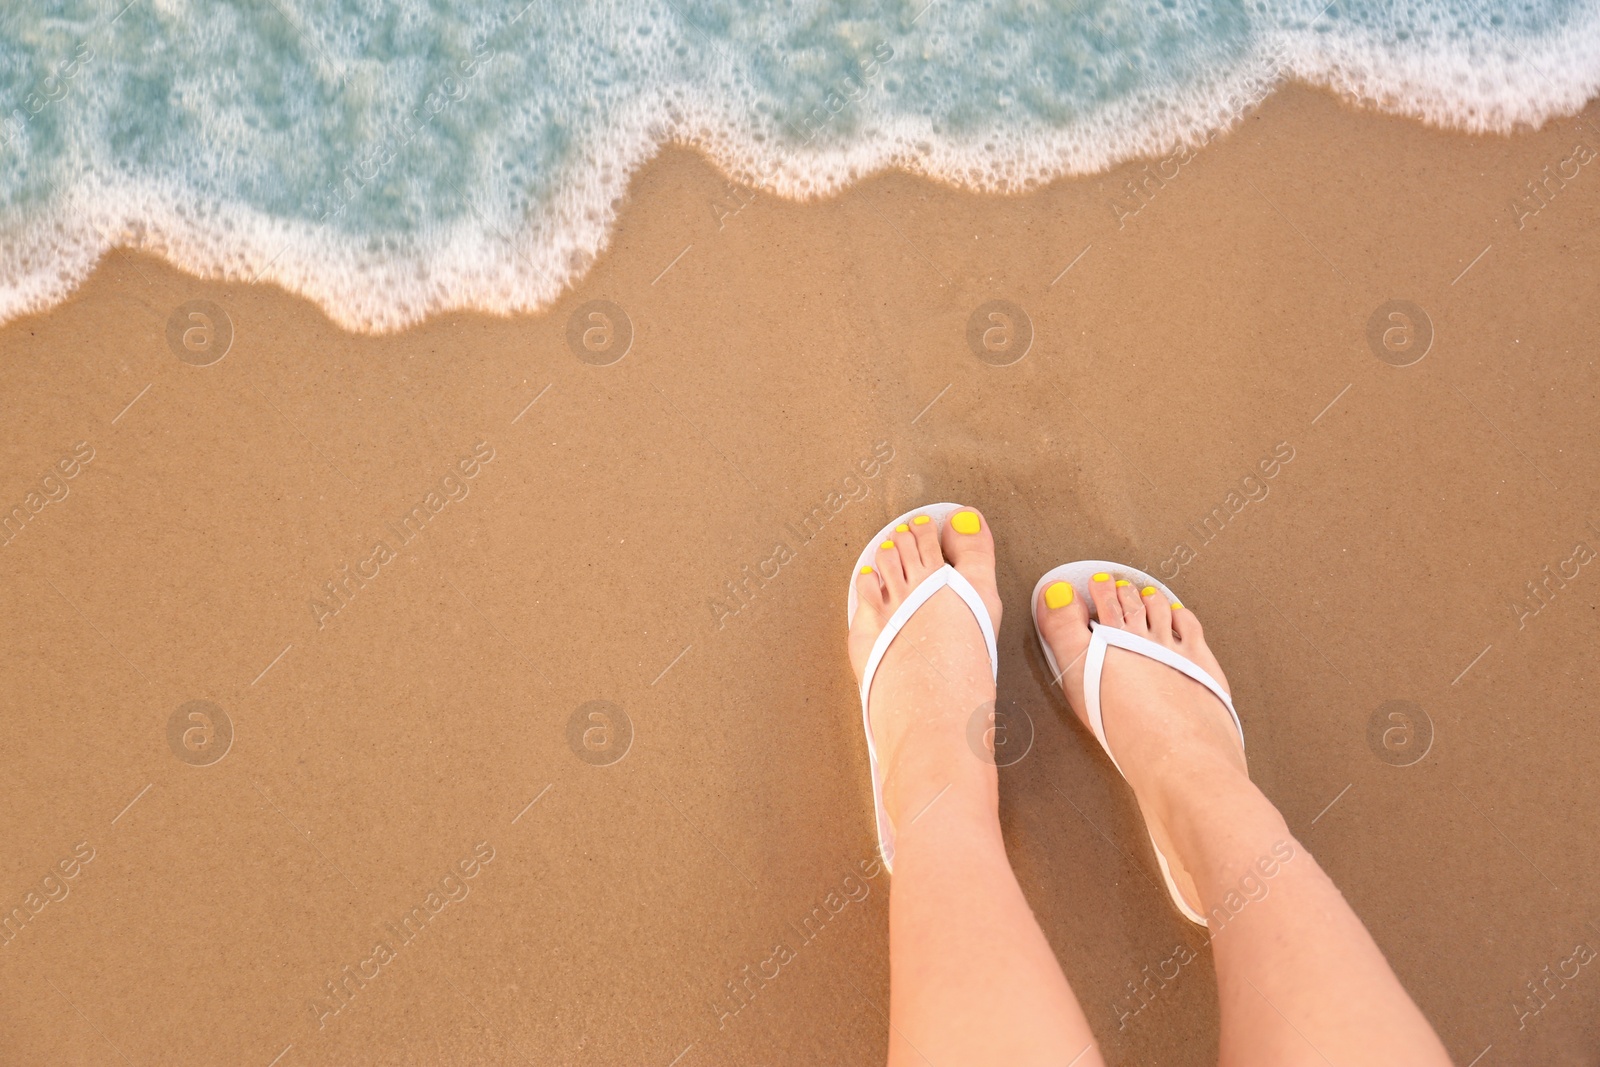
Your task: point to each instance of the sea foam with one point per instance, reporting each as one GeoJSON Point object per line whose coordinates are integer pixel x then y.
{"type": "Point", "coordinates": [390, 159]}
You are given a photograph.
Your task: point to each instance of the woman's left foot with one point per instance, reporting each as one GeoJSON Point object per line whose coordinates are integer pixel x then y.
{"type": "Point", "coordinates": [1169, 732]}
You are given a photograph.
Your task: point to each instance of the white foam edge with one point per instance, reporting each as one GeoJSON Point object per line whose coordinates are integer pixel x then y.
{"type": "Point", "coordinates": [1480, 90]}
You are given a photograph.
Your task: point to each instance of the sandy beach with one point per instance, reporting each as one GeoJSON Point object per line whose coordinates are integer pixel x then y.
{"type": "Point", "coordinates": [527, 730]}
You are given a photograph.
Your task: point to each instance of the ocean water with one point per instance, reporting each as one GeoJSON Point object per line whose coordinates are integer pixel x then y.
{"type": "Point", "coordinates": [393, 158]}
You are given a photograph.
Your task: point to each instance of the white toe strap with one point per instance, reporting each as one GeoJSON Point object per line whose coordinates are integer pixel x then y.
{"type": "Point", "coordinates": [945, 577]}
{"type": "Point", "coordinates": [1094, 663]}
{"type": "Point", "coordinates": [939, 579]}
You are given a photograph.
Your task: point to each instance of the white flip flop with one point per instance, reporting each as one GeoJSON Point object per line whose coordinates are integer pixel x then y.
{"type": "Point", "coordinates": [945, 577]}
{"type": "Point", "coordinates": [1079, 575]}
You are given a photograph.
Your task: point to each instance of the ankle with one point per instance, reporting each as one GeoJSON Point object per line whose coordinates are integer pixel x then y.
{"type": "Point", "coordinates": [923, 778]}
{"type": "Point", "coordinates": [1219, 821]}
{"type": "Point", "coordinates": [969, 807]}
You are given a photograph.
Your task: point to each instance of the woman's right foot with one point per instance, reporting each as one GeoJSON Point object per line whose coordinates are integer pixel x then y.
{"type": "Point", "coordinates": [1170, 733]}
{"type": "Point", "coordinates": [937, 673]}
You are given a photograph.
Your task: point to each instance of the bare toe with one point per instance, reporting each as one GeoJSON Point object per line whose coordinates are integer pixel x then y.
{"type": "Point", "coordinates": [968, 544]}
{"type": "Point", "coordinates": [1107, 605]}
{"type": "Point", "coordinates": [1133, 617]}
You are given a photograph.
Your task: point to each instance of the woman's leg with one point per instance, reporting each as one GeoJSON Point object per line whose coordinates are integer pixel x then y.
{"type": "Point", "coordinates": [1300, 979]}
{"type": "Point", "coordinates": [971, 978]}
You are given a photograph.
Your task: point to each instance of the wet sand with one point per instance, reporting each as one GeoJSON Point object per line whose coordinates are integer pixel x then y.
{"type": "Point", "coordinates": [402, 569]}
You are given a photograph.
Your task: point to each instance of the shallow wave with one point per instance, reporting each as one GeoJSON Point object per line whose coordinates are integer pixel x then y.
{"type": "Point", "coordinates": [388, 160]}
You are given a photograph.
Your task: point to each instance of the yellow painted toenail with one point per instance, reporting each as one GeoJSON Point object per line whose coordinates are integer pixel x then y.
{"type": "Point", "coordinates": [965, 522]}
{"type": "Point", "coordinates": [922, 520]}
{"type": "Point", "coordinates": [902, 528]}
{"type": "Point", "coordinates": [866, 570]}
{"type": "Point", "coordinates": [1148, 590]}
{"type": "Point", "coordinates": [1102, 577]}
{"type": "Point", "coordinates": [887, 544]}
{"type": "Point", "coordinates": [1122, 582]}
{"type": "Point", "coordinates": [1176, 606]}
{"type": "Point", "coordinates": [1058, 595]}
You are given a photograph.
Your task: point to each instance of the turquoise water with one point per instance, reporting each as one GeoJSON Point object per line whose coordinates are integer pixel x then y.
{"type": "Point", "coordinates": [391, 158]}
